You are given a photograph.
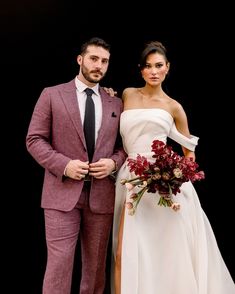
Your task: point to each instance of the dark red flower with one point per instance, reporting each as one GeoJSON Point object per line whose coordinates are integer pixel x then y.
{"type": "Point", "coordinates": [165, 175]}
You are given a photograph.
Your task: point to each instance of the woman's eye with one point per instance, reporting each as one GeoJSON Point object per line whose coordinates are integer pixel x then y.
{"type": "Point", "coordinates": [159, 65]}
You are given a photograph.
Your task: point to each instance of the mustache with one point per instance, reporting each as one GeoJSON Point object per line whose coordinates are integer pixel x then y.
{"type": "Point", "coordinates": [97, 72]}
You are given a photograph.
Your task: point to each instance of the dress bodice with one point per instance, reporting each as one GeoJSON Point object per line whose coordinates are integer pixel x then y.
{"type": "Point", "coordinates": [139, 127]}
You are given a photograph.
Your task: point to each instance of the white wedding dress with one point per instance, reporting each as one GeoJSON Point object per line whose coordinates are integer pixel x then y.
{"type": "Point", "coordinates": [164, 251]}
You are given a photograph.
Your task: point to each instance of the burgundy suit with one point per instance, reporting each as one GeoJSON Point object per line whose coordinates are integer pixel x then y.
{"type": "Point", "coordinates": [55, 136]}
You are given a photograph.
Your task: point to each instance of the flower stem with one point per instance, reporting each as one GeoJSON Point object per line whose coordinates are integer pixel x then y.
{"type": "Point", "coordinates": [140, 194]}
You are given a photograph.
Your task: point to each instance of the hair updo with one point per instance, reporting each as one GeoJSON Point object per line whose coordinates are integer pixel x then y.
{"type": "Point", "coordinates": [152, 47]}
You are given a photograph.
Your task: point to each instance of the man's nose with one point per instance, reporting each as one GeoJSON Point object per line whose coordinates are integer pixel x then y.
{"type": "Point", "coordinates": [98, 64]}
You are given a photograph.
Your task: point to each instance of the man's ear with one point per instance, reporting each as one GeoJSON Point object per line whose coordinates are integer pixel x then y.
{"type": "Point", "coordinates": [79, 59]}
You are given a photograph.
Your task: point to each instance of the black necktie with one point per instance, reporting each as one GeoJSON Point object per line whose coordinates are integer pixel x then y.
{"type": "Point", "coordinates": [89, 123]}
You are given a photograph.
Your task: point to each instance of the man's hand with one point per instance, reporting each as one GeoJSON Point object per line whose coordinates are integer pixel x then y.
{"type": "Point", "coordinates": [102, 168]}
{"type": "Point", "coordinates": [76, 169]}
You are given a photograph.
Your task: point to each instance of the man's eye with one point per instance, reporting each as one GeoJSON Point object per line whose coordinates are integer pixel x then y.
{"type": "Point", "coordinates": [105, 61]}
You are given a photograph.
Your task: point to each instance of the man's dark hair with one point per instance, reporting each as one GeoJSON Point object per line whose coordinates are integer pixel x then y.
{"type": "Point", "coordinates": [96, 42]}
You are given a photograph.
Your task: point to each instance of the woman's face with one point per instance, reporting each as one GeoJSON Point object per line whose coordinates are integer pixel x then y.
{"type": "Point", "coordinates": [155, 70]}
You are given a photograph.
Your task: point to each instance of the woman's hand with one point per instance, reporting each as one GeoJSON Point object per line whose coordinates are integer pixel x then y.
{"type": "Point", "coordinates": [110, 91]}
{"type": "Point", "coordinates": [189, 153]}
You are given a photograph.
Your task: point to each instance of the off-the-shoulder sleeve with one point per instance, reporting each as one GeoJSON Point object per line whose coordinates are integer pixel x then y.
{"type": "Point", "coordinates": [189, 143]}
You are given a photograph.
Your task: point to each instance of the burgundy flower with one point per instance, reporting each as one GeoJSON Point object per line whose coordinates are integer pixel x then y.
{"type": "Point", "coordinates": [165, 175]}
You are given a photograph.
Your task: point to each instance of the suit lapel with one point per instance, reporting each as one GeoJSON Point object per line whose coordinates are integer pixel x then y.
{"type": "Point", "coordinates": [69, 98]}
{"type": "Point", "coordinates": [106, 115]}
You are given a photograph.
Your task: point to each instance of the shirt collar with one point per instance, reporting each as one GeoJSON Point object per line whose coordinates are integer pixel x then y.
{"type": "Point", "coordinates": [81, 87]}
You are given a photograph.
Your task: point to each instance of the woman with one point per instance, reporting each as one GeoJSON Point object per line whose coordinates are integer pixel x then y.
{"type": "Point", "coordinates": [159, 250]}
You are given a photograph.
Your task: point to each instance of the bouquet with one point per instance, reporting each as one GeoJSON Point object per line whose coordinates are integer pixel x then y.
{"type": "Point", "coordinates": [165, 175]}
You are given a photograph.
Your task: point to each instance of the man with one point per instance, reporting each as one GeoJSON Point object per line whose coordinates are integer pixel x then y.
{"type": "Point", "coordinates": [78, 192]}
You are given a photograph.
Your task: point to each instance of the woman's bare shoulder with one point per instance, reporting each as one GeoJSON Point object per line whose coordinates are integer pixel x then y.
{"type": "Point", "coordinates": [174, 104]}
{"type": "Point", "coordinates": [129, 90]}
{"type": "Point", "coordinates": [177, 110]}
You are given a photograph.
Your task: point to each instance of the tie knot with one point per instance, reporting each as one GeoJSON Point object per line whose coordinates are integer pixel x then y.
{"type": "Point", "coordinates": [89, 92]}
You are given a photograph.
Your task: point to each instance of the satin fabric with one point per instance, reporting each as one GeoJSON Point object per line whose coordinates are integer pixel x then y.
{"type": "Point", "coordinates": [163, 251]}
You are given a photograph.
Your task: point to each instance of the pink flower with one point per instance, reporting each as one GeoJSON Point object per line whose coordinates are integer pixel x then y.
{"type": "Point", "coordinates": [175, 206]}
{"type": "Point", "coordinates": [129, 205]}
{"type": "Point", "coordinates": [129, 186]}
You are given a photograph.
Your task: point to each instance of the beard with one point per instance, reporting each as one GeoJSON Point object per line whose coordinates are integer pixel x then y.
{"type": "Point", "coordinates": [93, 76]}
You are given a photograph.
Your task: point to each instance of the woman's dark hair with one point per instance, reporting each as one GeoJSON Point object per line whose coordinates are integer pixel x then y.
{"type": "Point", "coordinates": [152, 47]}
{"type": "Point", "coordinates": [96, 42]}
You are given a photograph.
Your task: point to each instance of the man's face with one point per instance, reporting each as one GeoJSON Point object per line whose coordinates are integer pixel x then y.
{"type": "Point", "coordinates": [93, 64]}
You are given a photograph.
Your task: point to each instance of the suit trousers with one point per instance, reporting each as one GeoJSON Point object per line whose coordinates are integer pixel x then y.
{"type": "Point", "coordinates": [62, 232]}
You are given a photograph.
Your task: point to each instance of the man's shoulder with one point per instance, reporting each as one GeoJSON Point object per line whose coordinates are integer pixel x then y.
{"type": "Point", "coordinates": [62, 86]}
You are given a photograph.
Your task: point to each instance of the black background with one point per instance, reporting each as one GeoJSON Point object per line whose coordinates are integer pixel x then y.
{"type": "Point", "coordinates": [39, 44]}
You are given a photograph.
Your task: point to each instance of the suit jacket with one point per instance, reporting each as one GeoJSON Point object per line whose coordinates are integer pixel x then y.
{"type": "Point", "coordinates": [55, 136]}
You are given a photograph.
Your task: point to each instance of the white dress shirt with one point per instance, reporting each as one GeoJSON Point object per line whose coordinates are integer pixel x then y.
{"type": "Point", "coordinates": [81, 97]}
